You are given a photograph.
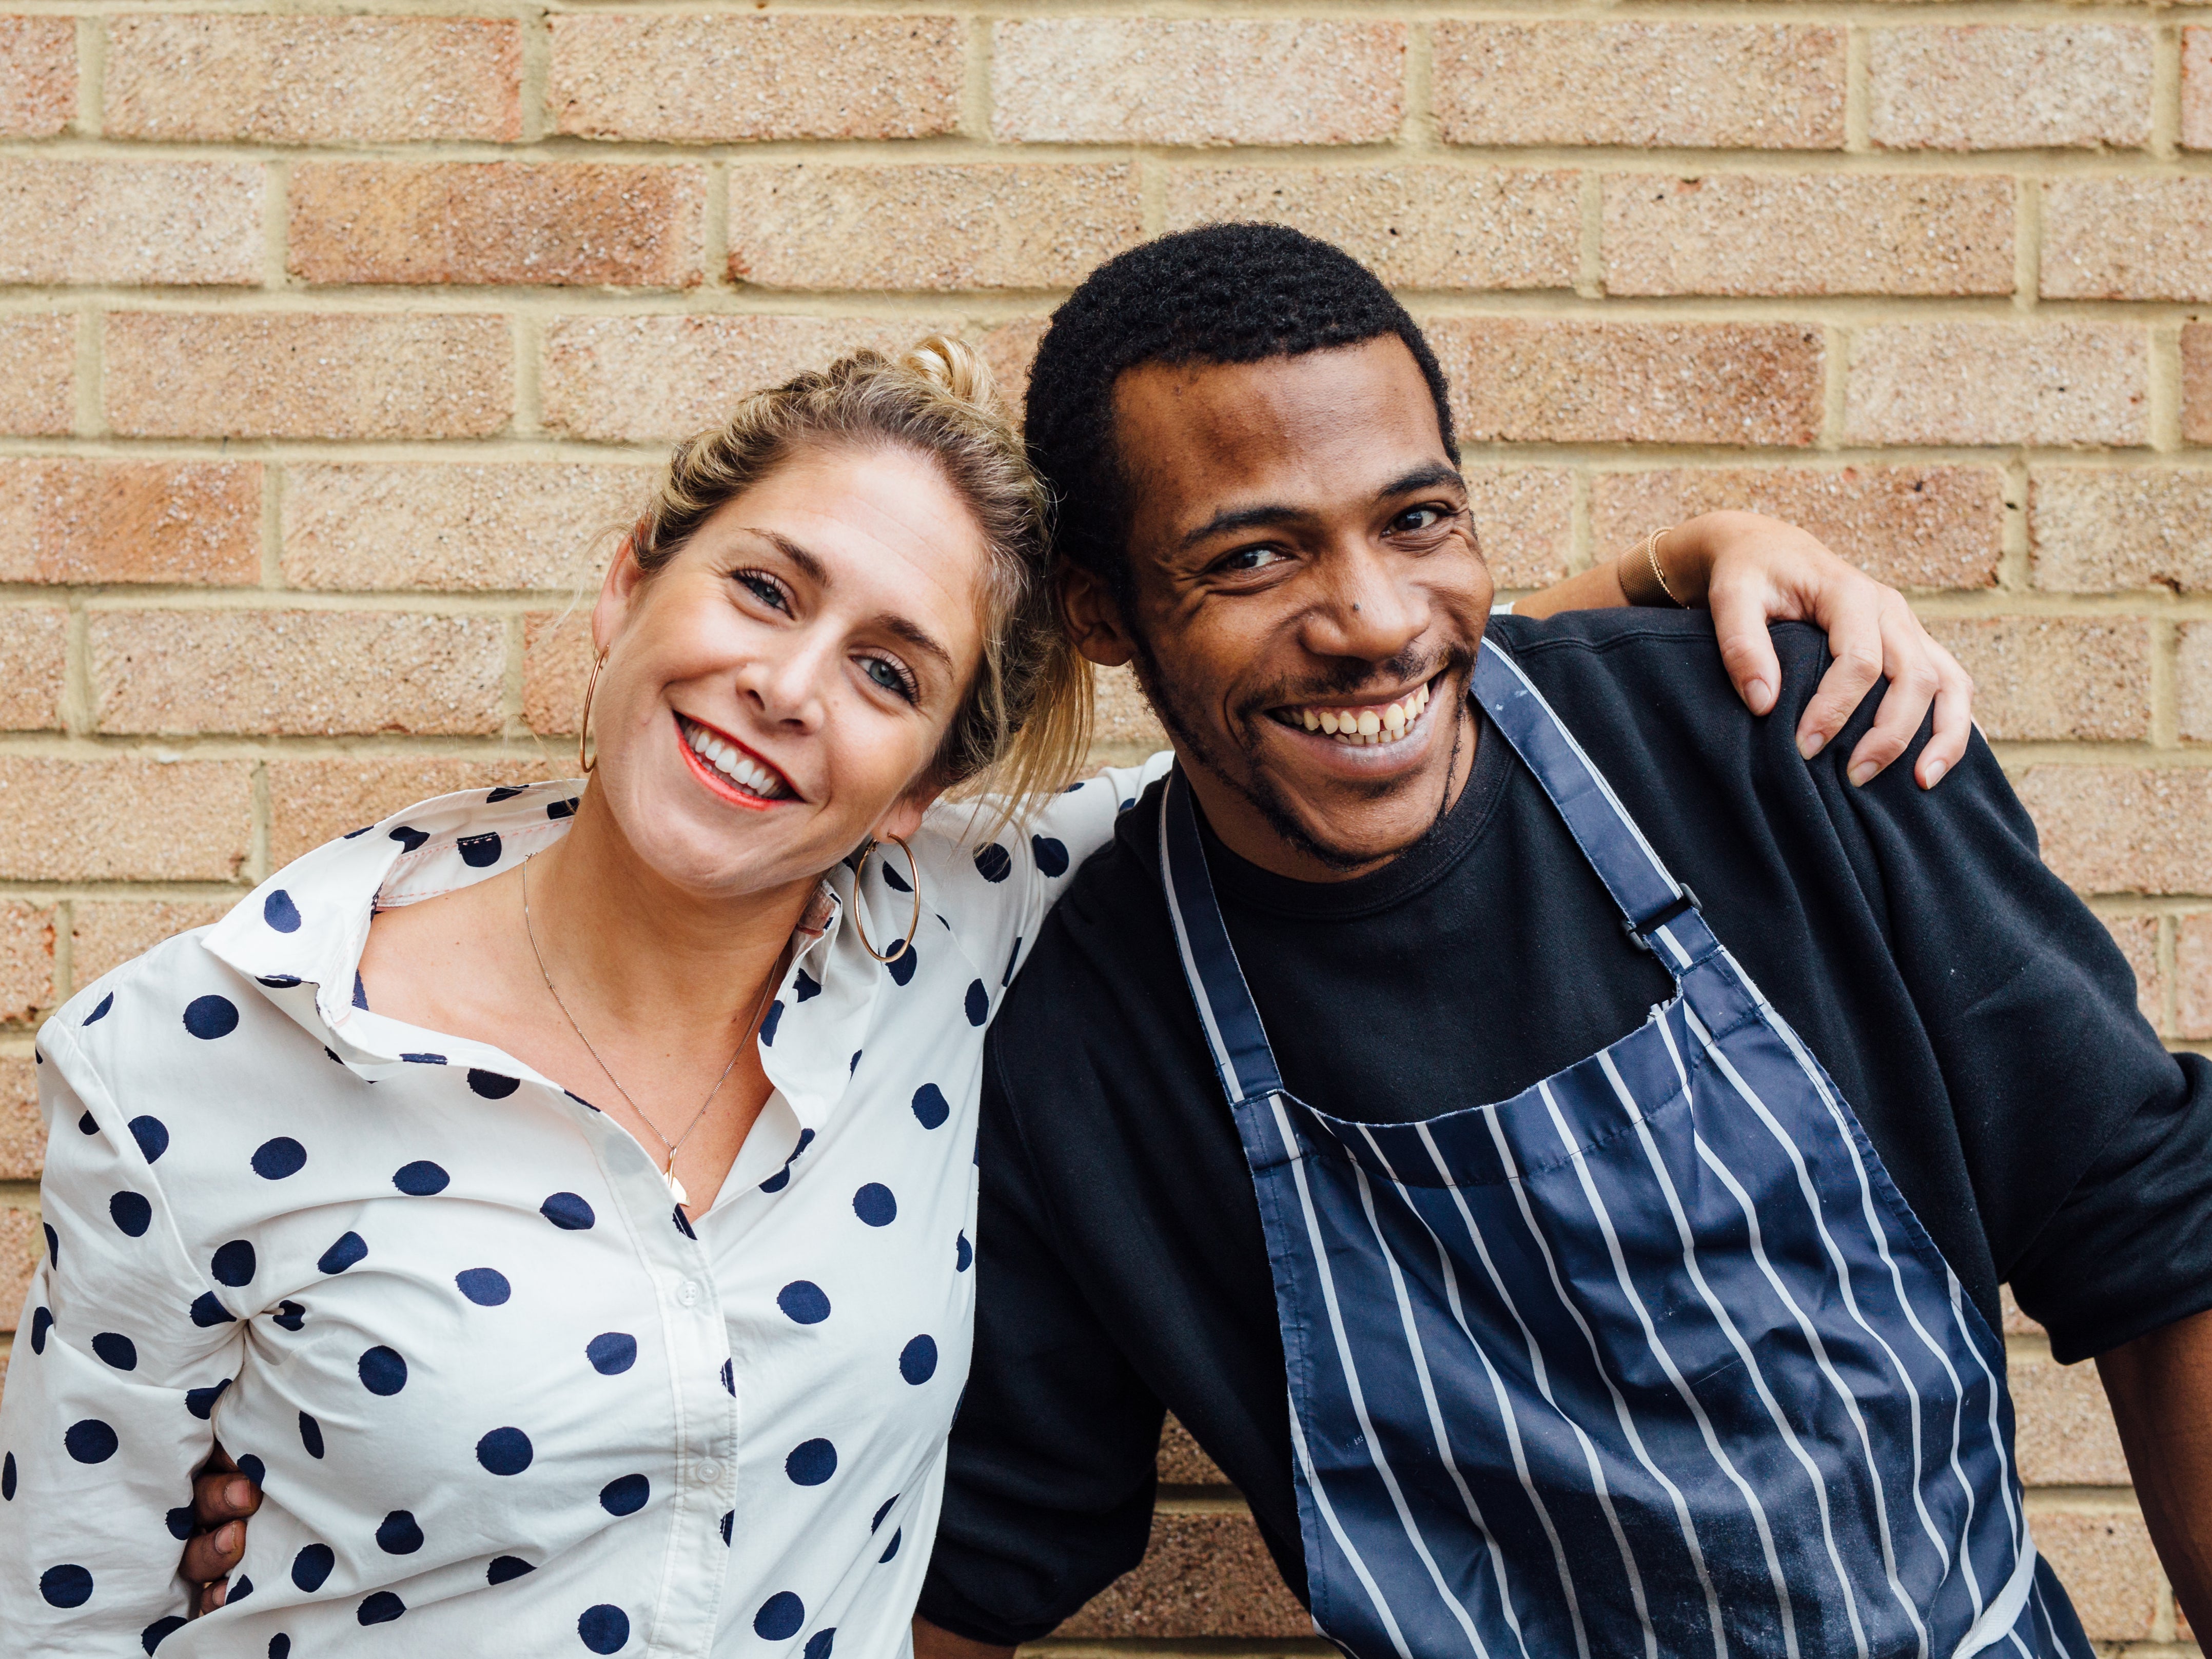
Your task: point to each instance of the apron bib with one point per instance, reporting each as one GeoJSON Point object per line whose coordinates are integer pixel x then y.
{"type": "Point", "coordinates": [1651, 1359]}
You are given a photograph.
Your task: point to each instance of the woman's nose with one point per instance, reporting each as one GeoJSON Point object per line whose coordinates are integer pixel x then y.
{"type": "Point", "coordinates": [787, 688]}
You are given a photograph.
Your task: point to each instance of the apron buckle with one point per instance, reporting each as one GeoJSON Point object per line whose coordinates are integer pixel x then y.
{"type": "Point", "coordinates": [1639, 932]}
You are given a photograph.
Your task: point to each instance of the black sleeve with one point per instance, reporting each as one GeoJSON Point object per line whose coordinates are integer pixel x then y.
{"type": "Point", "coordinates": [1049, 1490]}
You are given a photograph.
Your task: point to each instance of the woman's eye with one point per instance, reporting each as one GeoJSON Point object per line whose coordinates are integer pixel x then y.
{"type": "Point", "coordinates": [763, 588]}
{"type": "Point", "coordinates": [890, 676]}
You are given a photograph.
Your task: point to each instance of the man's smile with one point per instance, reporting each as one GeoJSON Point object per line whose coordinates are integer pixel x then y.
{"type": "Point", "coordinates": [1376, 723]}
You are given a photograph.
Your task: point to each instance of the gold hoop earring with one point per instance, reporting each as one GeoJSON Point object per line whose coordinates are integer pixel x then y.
{"type": "Point", "coordinates": [586, 761]}
{"type": "Point", "coordinates": [914, 879]}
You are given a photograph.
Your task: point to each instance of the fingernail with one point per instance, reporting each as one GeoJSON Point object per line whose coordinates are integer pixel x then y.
{"type": "Point", "coordinates": [1862, 772]}
{"type": "Point", "coordinates": [215, 1593]}
{"type": "Point", "coordinates": [1811, 746]}
{"type": "Point", "coordinates": [1760, 691]}
{"type": "Point", "coordinates": [1936, 771]}
{"type": "Point", "coordinates": [231, 1534]}
{"type": "Point", "coordinates": [238, 1493]}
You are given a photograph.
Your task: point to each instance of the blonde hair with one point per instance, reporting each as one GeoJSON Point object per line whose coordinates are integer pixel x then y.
{"type": "Point", "coordinates": [1023, 728]}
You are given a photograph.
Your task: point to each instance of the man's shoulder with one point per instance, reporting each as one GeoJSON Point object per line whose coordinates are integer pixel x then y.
{"type": "Point", "coordinates": [1673, 652]}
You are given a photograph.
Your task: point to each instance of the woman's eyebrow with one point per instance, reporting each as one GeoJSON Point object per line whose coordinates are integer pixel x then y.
{"type": "Point", "coordinates": [898, 627]}
{"type": "Point", "coordinates": [808, 566]}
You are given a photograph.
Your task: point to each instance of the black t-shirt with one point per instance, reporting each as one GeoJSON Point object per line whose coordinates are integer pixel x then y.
{"type": "Point", "coordinates": [1974, 1012]}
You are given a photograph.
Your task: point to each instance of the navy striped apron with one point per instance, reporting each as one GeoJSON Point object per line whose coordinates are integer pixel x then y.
{"type": "Point", "coordinates": [1651, 1359]}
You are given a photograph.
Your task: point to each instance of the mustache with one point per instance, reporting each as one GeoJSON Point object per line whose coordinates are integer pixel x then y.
{"type": "Point", "coordinates": [1354, 677]}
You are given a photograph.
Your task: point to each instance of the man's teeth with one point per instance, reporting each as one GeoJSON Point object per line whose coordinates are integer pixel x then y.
{"type": "Point", "coordinates": [733, 764]}
{"type": "Point", "coordinates": [1361, 726]}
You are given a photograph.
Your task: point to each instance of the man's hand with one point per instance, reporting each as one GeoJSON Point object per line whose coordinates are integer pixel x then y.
{"type": "Point", "coordinates": [222, 1500]}
{"type": "Point", "coordinates": [932, 1643]}
{"type": "Point", "coordinates": [2160, 1387]}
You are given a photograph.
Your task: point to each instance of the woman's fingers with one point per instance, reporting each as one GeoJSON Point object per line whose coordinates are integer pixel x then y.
{"type": "Point", "coordinates": [1853, 619]}
{"type": "Point", "coordinates": [1739, 612]}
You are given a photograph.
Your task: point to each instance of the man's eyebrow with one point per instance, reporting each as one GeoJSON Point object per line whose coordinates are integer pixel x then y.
{"type": "Point", "coordinates": [898, 627]}
{"type": "Point", "coordinates": [1427, 475]}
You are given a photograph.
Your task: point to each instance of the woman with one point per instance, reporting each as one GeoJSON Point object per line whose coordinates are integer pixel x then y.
{"type": "Point", "coordinates": [579, 1178]}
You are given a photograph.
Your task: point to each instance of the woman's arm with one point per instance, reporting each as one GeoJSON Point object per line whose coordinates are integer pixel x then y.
{"type": "Point", "coordinates": [1750, 570]}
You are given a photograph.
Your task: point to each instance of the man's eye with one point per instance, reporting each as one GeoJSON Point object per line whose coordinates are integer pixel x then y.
{"type": "Point", "coordinates": [761, 588]}
{"type": "Point", "coordinates": [890, 676]}
{"type": "Point", "coordinates": [1420, 517]}
{"type": "Point", "coordinates": [1250, 558]}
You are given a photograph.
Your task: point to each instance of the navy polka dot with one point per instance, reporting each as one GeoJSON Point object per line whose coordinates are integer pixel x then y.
{"type": "Point", "coordinates": [963, 1255]}
{"type": "Point", "coordinates": [420, 1179]}
{"type": "Point", "coordinates": [811, 1462]}
{"type": "Point", "coordinates": [409, 840]}
{"type": "Point", "coordinates": [65, 1586]}
{"type": "Point", "coordinates": [53, 1245]}
{"type": "Point", "coordinates": [773, 1018]}
{"type": "Point", "coordinates": [604, 1629]}
{"type": "Point", "coordinates": [200, 1402]}
{"type": "Point", "coordinates": [360, 1000]}
{"type": "Point", "coordinates": [564, 808]}
{"type": "Point", "coordinates": [875, 1204]}
{"type": "Point", "coordinates": [729, 1378]}
{"type": "Point", "coordinates": [132, 1212]}
{"type": "Point", "coordinates": [253, 1468]}
{"type": "Point", "coordinates": [729, 1519]}
{"type": "Point", "coordinates": [994, 863]}
{"type": "Point", "coordinates": [505, 792]}
{"type": "Point", "coordinates": [979, 1002]}
{"type": "Point", "coordinates": [275, 1160]}
{"type": "Point", "coordinates": [349, 1248]}
{"type": "Point", "coordinates": [119, 1351]}
{"type": "Point", "coordinates": [159, 1630]}
{"type": "Point", "coordinates": [210, 1017]}
{"type": "Point", "coordinates": [918, 1360]}
{"type": "Point", "coordinates": [41, 1323]}
{"type": "Point", "coordinates": [280, 912]}
{"type": "Point", "coordinates": [779, 1616]}
{"type": "Point", "coordinates": [853, 1064]}
{"type": "Point", "coordinates": [478, 852]}
{"type": "Point", "coordinates": [90, 1440]}
{"type": "Point", "coordinates": [289, 1315]}
{"type": "Point", "coordinates": [424, 1059]}
{"type": "Point", "coordinates": [276, 981]}
{"type": "Point", "coordinates": [383, 1371]}
{"type": "Point", "coordinates": [7, 1480]}
{"type": "Point", "coordinates": [882, 1509]}
{"type": "Point", "coordinates": [240, 1588]}
{"type": "Point", "coordinates": [568, 1212]}
{"type": "Point", "coordinates": [819, 1645]}
{"type": "Point", "coordinates": [399, 1535]}
{"type": "Point", "coordinates": [683, 1222]}
{"type": "Point", "coordinates": [280, 1646]}
{"type": "Point", "coordinates": [612, 1353]}
{"type": "Point", "coordinates": [778, 1181]}
{"type": "Point", "coordinates": [625, 1494]}
{"type": "Point", "coordinates": [891, 1548]}
{"type": "Point", "coordinates": [207, 1312]}
{"type": "Point", "coordinates": [807, 986]}
{"type": "Point", "coordinates": [485, 1286]}
{"type": "Point", "coordinates": [930, 1107]}
{"type": "Point", "coordinates": [1013, 956]}
{"type": "Point", "coordinates": [504, 1567]}
{"type": "Point", "coordinates": [803, 1301]}
{"type": "Point", "coordinates": [233, 1264]}
{"type": "Point", "coordinates": [504, 1451]}
{"type": "Point", "coordinates": [152, 1136]}
{"type": "Point", "coordinates": [88, 1125]}
{"type": "Point", "coordinates": [100, 1012]}
{"type": "Point", "coordinates": [1051, 855]}
{"type": "Point", "coordinates": [903, 965]}
{"type": "Point", "coordinates": [310, 1434]}
{"type": "Point", "coordinates": [381, 1608]}
{"type": "Point", "coordinates": [311, 1565]}
{"type": "Point", "coordinates": [180, 1522]}
{"type": "Point", "coordinates": [491, 1086]}
{"type": "Point", "coordinates": [892, 879]}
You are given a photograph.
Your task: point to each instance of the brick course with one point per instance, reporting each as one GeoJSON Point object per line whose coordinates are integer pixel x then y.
{"type": "Point", "coordinates": [68, 521]}
{"type": "Point", "coordinates": [131, 223]}
{"type": "Point", "coordinates": [37, 375]}
{"type": "Point", "coordinates": [1992, 382]}
{"type": "Point", "coordinates": [38, 75]}
{"type": "Point", "coordinates": [33, 643]}
{"type": "Point", "coordinates": [2003, 85]}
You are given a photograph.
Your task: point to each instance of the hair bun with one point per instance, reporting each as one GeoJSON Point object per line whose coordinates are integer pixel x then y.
{"type": "Point", "coordinates": [956, 370]}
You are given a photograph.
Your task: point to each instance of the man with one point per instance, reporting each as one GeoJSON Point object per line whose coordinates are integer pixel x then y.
{"type": "Point", "coordinates": [1687, 1343]}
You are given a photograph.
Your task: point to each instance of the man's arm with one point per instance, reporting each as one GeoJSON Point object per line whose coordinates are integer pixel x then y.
{"type": "Point", "coordinates": [2160, 1387]}
{"type": "Point", "coordinates": [931, 1643]}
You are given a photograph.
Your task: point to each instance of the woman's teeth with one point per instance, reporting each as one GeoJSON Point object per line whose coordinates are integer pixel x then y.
{"type": "Point", "coordinates": [733, 764]}
{"type": "Point", "coordinates": [1358, 727]}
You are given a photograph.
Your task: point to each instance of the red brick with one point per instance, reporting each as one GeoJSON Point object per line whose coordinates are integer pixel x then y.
{"type": "Point", "coordinates": [2055, 678]}
{"type": "Point", "coordinates": [1205, 1575]}
{"type": "Point", "coordinates": [2003, 85]}
{"type": "Point", "coordinates": [2196, 87]}
{"type": "Point", "coordinates": [313, 79]}
{"type": "Point", "coordinates": [1182, 1461]}
{"type": "Point", "coordinates": [26, 961]}
{"type": "Point", "coordinates": [2127, 239]}
{"type": "Point", "coordinates": [1529, 380]}
{"type": "Point", "coordinates": [2193, 678]}
{"type": "Point", "coordinates": [62, 520]}
{"type": "Point", "coordinates": [2098, 530]}
{"type": "Point", "coordinates": [1911, 527]}
{"type": "Point", "coordinates": [560, 223]}
{"type": "Point", "coordinates": [105, 934]}
{"type": "Point", "coordinates": [1234, 81]}
{"type": "Point", "coordinates": [1987, 381]}
{"type": "Point", "coordinates": [497, 525]}
{"type": "Point", "coordinates": [718, 79]}
{"type": "Point", "coordinates": [123, 820]}
{"type": "Point", "coordinates": [2121, 828]}
{"type": "Point", "coordinates": [1414, 227]}
{"type": "Point", "coordinates": [2109, 1569]}
{"type": "Point", "coordinates": [22, 1245]}
{"type": "Point", "coordinates": [2137, 938]}
{"type": "Point", "coordinates": [2066, 1436]}
{"type": "Point", "coordinates": [312, 801]}
{"type": "Point", "coordinates": [1700, 86]}
{"type": "Point", "coordinates": [1523, 522]}
{"type": "Point", "coordinates": [22, 1125]}
{"type": "Point", "coordinates": [2192, 974]}
{"type": "Point", "coordinates": [2196, 382]}
{"type": "Point", "coordinates": [296, 375]}
{"type": "Point", "coordinates": [306, 673]}
{"type": "Point", "coordinates": [939, 225]}
{"type": "Point", "coordinates": [34, 644]}
{"type": "Point", "coordinates": [38, 75]}
{"type": "Point", "coordinates": [556, 658]}
{"type": "Point", "coordinates": [144, 223]}
{"type": "Point", "coordinates": [37, 375]}
{"type": "Point", "coordinates": [1832, 233]}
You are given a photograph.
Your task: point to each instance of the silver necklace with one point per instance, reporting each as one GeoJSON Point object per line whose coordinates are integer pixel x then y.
{"type": "Point", "coordinates": [668, 1171]}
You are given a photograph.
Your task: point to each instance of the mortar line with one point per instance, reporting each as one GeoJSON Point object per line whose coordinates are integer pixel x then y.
{"type": "Point", "coordinates": [2169, 969]}
{"type": "Point", "coordinates": [275, 482]}
{"type": "Point", "coordinates": [2027, 242]}
{"type": "Point", "coordinates": [259, 835]}
{"type": "Point", "coordinates": [1589, 276]}
{"type": "Point", "coordinates": [1417, 133]}
{"type": "Point", "coordinates": [2016, 558]}
{"type": "Point", "coordinates": [537, 37]}
{"type": "Point", "coordinates": [1859, 91]}
{"type": "Point", "coordinates": [2165, 721]}
{"type": "Point", "coordinates": [91, 76]}
{"type": "Point", "coordinates": [276, 224]}
{"type": "Point", "coordinates": [87, 371]}
{"type": "Point", "coordinates": [64, 976]}
{"type": "Point", "coordinates": [2166, 90]}
{"type": "Point", "coordinates": [2164, 387]}
{"type": "Point", "coordinates": [976, 59]}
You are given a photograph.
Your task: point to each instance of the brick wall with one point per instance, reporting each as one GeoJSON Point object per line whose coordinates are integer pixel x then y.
{"type": "Point", "coordinates": [327, 341]}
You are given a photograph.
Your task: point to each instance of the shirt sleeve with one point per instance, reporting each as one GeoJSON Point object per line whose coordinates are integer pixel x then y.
{"type": "Point", "coordinates": [112, 1389]}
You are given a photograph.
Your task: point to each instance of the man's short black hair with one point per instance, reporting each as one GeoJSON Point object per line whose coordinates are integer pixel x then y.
{"type": "Point", "coordinates": [1221, 293]}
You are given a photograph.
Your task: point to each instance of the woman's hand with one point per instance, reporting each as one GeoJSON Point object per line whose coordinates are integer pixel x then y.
{"type": "Point", "coordinates": [223, 1498]}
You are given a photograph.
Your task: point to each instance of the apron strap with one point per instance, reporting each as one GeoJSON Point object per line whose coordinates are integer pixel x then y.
{"type": "Point", "coordinates": [1234, 1035]}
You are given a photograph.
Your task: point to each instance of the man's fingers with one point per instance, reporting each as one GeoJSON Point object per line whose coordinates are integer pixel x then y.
{"type": "Point", "coordinates": [218, 1497]}
{"type": "Point", "coordinates": [210, 1555]}
{"type": "Point", "coordinates": [1747, 648]}
{"type": "Point", "coordinates": [209, 1597]}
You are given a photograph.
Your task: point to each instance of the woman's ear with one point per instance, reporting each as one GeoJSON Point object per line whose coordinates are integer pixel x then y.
{"type": "Point", "coordinates": [1093, 618]}
{"type": "Point", "coordinates": [907, 812]}
{"type": "Point", "coordinates": [617, 593]}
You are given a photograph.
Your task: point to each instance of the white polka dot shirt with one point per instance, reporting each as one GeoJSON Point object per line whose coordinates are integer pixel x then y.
{"type": "Point", "coordinates": [500, 1395]}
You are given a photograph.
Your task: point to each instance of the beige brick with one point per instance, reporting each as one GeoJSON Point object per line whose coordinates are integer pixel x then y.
{"type": "Point", "coordinates": [1197, 81]}
{"type": "Point", "coordinates": [2099, 531]}
{"type": "Point", "coordinates": [2137, 938]}
{"type": "Point", "coordinates": [2123, 828]}
{"type": "Point", "coordinates": [1183, 1461]}
{"type": "Point", "coordinates": [2197, 383]}
{"type": "Point", "coordinates": [123, 820]}
{"type": "Point", "coordinates": [1911, 527]}
{"type": "Point", "coordinates": [2192, 974]}
{"type": "Point", "coordinates": [1833, 233]}
{"type": "Point", "coordinates": [718, 79]}
{"type": "Point", "coordinates": [26, 962]}
{"type": "Point", "coordinates": [2109, 1569]}
{"type": "Point", "coordinates": [1126, 725]}
{"type": "Point", "coordinates": [1414, 227]}
{"type": "Point", "coordinates": [37, 375]}
{"type": "Point", "coordinates": [22, 1125]}
{"type": "Point", "coordinates": [1985, 382]}
{"type": "Point", "coordinates": [936, 226]}
{"type": "Point", "coordinates": [23, 1244]}
{"type": "Point", "coordinates": [556, 658]}
{"type": "Point", "coordinates": [2193, 680]}
{"type": "Point", "coordinates": [2127, 239]}
{"type": "Point", "coordinates": [1010, 350]}
{"type": "Point", "coordinates": [33, 643]}
{"type": "Point", "coordinates": [466, 528]}
{"type": "Point", "coordinates": [1207, 1575]}
{"type": "Point", "coordinates": [1523, 522]}
{"type": "Point", "coordinates": [313, 79]}
{"type": "Point", "coordinates": [312, 801]}
{"type": "Point", "coordinates": [2066, 1437]}
{"type": "Point", "coordinates": [2007, 86]}
{"type": "Point", "coordinates": [105, 934]}
{"type": "Point", "coordinates": [308, 673]}
{"type": "Point", "coordinates": [143, 223]}
{"type": "Point", "coordinates": [561, 223]}
{"type": "Point", "coordinates": [296, 375]}
{"type": "Point", "coordinates": [652, 379]}
{"type": "Point", "coordinates": [2196, 87]}
{"type": "Point", "coordinates": [38, 75]}
{"type": "Point", "coordinates": [2055, 678]}
{"type": "Point", "coordinates": [63, 520]}
{"type": "Point", "coordinates": [1700, 86]}
{"type": "Point", "coordinates": [1528, 380]}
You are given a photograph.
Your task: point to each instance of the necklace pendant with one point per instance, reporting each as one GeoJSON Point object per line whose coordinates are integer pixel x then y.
{"type": "Point", "coordinates": [675, 1187]}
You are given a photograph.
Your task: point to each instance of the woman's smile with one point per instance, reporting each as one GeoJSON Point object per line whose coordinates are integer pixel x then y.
{"type": "Point", "coordinates": [729, 769]}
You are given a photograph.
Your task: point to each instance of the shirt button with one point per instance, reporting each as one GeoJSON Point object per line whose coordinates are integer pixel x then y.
{"type": "Point", "coordinates": [688, 1292]}
{"type": "Point", "coordinates": [709, 1472]}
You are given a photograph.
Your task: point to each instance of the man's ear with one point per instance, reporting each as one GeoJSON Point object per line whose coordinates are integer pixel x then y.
{"type": "Point", "coordinates": [1093, 617]}
{"type": "Point", "coordinates": [616, 593]}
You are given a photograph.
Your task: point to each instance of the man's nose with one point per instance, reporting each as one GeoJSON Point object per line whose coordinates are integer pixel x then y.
{"type": "Point", "coordinates": [1371, 614]}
